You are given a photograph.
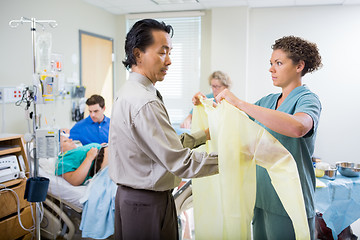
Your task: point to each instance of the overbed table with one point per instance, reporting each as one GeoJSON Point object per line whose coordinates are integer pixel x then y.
{"type": "Point", "coordinates": [339, 202]}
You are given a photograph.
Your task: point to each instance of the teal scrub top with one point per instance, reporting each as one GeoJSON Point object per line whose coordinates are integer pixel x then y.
{"type": "Point", "coordinates": [301, 99]}
{"type": "Point", "coordinates": [70, 161]}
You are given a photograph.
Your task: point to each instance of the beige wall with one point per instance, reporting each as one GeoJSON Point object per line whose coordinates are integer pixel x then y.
{"type": "Point", "coordinates": [120, 71]}
{"type": "Point", "coordinates": [206, 54]}
{"type": "Point", "coordinates": [334, 29]}
{"type": "Point", "coordinates": [241, 42]}
{"type": "Point", "coordinates": [16, 49]}
{"type": "Point", "coordinates": [229, 45]}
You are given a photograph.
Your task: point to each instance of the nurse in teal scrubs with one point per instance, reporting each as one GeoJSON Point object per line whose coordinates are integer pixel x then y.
{"type": "Point", "coordinates": [292, 117]}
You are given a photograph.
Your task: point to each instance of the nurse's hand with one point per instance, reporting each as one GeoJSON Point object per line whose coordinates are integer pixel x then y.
{"type": "Point", "coordinates": [196, 98]}
{"type": "Point", "coordinates": [229, 97]}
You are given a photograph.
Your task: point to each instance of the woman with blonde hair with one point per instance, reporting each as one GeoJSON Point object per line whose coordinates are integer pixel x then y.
{"type": "Point", "coordinates": [218, 81]}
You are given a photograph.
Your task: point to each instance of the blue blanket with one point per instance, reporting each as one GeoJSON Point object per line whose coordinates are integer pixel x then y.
{"type": "Point", "coordinates": [97, 220]}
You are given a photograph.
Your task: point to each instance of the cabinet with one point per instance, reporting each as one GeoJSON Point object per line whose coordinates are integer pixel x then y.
{"type": "Point", "coordinates": [9, 225]}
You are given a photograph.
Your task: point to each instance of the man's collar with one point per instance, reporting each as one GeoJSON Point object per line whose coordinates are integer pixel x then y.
{"type": "Point", "coordinates": [105, 119]}
{"type": "Point", "coordinates": [137, 77]}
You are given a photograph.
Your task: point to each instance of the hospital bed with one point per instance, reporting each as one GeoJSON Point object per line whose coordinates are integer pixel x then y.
{"type": "Point", "coordinates": [93, 206]}
{"type": "Point", "coordinates": [63, 199]}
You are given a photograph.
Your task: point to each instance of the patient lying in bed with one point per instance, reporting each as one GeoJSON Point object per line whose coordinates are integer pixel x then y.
{"type": "Point", "coordinates": [78, 164]}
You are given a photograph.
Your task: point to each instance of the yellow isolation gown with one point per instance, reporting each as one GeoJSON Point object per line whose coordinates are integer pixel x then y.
{"type": "Point", "coordinates": [224, 203]}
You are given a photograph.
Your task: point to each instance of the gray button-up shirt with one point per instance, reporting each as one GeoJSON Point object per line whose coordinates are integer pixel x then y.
{"type": "Point", "coordinates": [144, 150]}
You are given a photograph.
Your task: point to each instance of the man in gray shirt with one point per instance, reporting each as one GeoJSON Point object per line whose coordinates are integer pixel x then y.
{"type": "Point", "coordinates": [147, 159]}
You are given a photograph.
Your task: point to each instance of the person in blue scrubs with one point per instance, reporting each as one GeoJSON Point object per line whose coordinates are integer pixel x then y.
{"type": "Point", "coordinates": [218, 81]}
{"type": "Point", "coordinates": [94, 128]}
{"type": "Point", "coordinates": [292, 117]}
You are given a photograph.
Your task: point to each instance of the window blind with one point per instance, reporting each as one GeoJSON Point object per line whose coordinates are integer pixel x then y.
{"type": "Point", "coordinates": [183, 77]}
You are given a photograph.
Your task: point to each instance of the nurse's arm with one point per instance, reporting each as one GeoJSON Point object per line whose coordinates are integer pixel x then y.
{"type": "Point", "coordinates": [296, 125]}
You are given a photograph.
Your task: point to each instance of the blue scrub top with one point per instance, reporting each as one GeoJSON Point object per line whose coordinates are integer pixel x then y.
{"type": "Point", "coordinates": [301, 99]}
{"type": "Point", "coordinates": [87, 131]}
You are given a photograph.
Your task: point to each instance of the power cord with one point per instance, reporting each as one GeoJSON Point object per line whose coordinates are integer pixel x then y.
{"type": "Point", "coordinates": [40, 208]}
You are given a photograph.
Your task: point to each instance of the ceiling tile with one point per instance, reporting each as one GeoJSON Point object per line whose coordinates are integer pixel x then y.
{"type": "Point", "coordinates": [227, 3]}
{"type": "Point", "coordinates": [351, 2]}
{"type": "Point", "coordinates": [181, 7]}
{"type": "Point", "coordinates": [142, 9]}
{"type": "Point", "coordinates": [143, 6]}
{"type": "Point", "coordinates": [272, 3]}
{"type": "Point", "coordinates": [166, 2]}
{"type": "Point", "coordinates": [318, 2]}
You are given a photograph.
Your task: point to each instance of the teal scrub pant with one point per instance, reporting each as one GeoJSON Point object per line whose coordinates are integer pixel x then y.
{"type": "Point", "coordinates": [270, 226]}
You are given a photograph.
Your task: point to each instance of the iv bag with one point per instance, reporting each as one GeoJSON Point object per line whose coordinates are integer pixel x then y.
{"type": "Point", "coordinates": [43, 52]}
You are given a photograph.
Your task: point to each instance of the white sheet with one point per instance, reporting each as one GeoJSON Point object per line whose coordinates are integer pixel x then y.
{"type": "Point", "coordinates": [63, 190]}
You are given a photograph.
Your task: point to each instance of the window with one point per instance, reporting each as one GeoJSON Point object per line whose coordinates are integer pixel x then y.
{"type": "Point", "coordinates": [183, 78]}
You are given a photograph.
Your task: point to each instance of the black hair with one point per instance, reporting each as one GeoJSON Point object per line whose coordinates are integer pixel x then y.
{"type": "Point", "coordinates": [97, 162]}
{"type": "Point", "coordinates": [140, 36]}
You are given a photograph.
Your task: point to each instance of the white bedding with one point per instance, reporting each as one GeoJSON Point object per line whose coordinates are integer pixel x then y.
{"type": "Point", "coordinates": [59, 187]}
{"type": "Point", "coordinates": [97, 207]}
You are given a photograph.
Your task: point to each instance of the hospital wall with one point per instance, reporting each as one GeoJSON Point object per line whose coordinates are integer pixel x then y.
{"type": "Point", "coordinates": [335, 29]}
{"type": "Point", "coordinates": [16, 51]}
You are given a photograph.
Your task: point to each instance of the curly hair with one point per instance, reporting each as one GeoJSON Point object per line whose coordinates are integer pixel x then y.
{"type": "Point", "coordinates": [140, 36]}
{"type": "Point", "coordinates": [299, 49]}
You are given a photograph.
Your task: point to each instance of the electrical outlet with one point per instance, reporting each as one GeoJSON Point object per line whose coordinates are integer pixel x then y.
{"type": "Point", "coordinates": [10, 94]}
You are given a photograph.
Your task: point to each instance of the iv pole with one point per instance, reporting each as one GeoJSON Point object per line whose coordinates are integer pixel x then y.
{"type": "Point", "coordinates": [15, 24]}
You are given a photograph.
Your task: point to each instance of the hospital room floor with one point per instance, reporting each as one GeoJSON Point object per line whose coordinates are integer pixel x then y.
{"type": "Point", "coordinates": [355, 227]}
{"type": "Point", "coordinates": [76, 219]}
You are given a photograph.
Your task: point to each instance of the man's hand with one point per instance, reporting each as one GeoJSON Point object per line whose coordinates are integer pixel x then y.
{"type": "Point", "coordinates": [207, 132]}
{"type": "Point", "coordinates": [196, 98]}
